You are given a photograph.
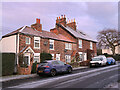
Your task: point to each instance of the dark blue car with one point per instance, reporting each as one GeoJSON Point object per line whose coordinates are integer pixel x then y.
{"type": "Point", "coordinates": [52, 67]}
{"type": "Point", "coordinates": [110, 61]}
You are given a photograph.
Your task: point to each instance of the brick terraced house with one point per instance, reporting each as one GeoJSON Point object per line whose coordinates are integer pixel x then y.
{"type": "Point", "coordinates": [62, 42]}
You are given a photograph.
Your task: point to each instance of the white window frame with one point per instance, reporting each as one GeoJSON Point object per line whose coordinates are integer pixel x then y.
{"type": "Point", "coordinates": [36, 54]}
{"type": "Point", "coordinates": [68, 57]}
{"type": "Point", "coordinates": [80, 43]}
{"type": "Point", "coordinates": [28, 40]}
{"type": "Point", "coordinates": [37, 38]}
{"type": "Point", "coordinates": [27, 55]}
{"type": "Point", "coordinates": [68, 46]}
{"type": "Point", "coordinates": [85, 56]}
{"type": "Point", "coordinates": [58, 55]}
{"type": "Point", "coordinates": [81, 56]}
{"type": "Point", "coordinates": [51, 42]}
{"type": "Point", "coordinates": [91, 45]}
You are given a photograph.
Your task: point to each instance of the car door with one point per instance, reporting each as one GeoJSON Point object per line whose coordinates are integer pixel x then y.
{"type": "Point", "coordinates": [63, 66]}
{"type": "Point", "coordinates": [56, 66]}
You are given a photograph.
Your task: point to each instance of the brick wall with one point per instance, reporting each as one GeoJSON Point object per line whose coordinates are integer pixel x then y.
{"type": "Point", "coordinates": [59, 46]}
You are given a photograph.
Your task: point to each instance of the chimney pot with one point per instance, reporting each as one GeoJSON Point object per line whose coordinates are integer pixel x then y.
{"type": "Point", "coordinates": [37, 20]}
{"type": "Point", "coordinates": [64, 16]}
{"type": "Point", "coordinates": [74, 19]}
{"type": "Point", "coordinates": [61, 16]}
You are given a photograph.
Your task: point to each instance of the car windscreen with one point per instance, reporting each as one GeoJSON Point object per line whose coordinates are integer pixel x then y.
{"type": "Point", "coordinates": [96, 59]}
{"type": "Point", "coordinates": [109, 58]}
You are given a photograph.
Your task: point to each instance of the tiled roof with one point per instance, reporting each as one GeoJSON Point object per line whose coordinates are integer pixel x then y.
{"type": "Point", "coordinates": [78, 33]}
{"type": "Point", "coordinates": [43, 34]}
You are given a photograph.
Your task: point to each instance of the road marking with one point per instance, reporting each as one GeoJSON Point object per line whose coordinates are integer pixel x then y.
{"type": "Point", "coordinates": [42, 82]}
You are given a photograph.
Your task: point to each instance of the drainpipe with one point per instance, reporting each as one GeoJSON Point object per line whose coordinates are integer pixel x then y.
{"type": "Point", "coordinates": [16, 54]}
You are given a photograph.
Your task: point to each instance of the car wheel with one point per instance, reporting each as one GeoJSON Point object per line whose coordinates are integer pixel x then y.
{"type": "Point", "coordinates": [69, 70]}
{"type": "Point", "coordinates": [53, 72]}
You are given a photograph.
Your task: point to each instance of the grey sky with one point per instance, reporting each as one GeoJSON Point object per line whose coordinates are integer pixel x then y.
{"type": "Point", "coordinates": [91, 17]}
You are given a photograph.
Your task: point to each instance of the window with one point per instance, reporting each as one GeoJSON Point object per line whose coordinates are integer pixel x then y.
{"type": "Point", "coordinates": [68, 46]}
{"type": "Point", "coordinates": [55, 63]}
{"type": "Point", "coordinates": [37, 42]}
{"type": "Point", "coordinates": [67, 58]}
{"type": "Point", "coordinates": [91, 46]}
{"type": "Point", "coordinates": [61, 63]}
{"type": "Point", "coordinates": [57, 56]}
{"type": "Point", "coordinates": [52, 56]}
{"type": "Point", "coordinates": [82, 56]}
{"type": "Point", "coordinates": [26, 60]}
{"type": "Point", "coordinates": [36, 57]}
{"type": "Point", "coordinates": [80, 43]}
{"type": "Point", "coordinates": [51, 45]}
{"type": "Point", "coordinates": [27, 40]}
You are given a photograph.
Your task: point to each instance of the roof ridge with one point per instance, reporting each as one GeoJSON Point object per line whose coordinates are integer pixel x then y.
{"type": "Point", "coordinates": [23, 28]}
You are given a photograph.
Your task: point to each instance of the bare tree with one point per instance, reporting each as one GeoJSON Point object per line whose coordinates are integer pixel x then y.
{"type": "Point", "coordinates": [108, 38]}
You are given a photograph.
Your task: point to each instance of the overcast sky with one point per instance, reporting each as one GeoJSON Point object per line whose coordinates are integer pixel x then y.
{"type": "Point", "coordinates": [91, 17]}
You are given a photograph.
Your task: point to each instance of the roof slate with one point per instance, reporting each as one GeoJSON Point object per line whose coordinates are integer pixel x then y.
{"type": "Point", "coordinates": [43, 34]}
{"type": "Point", "coordinates": [78, 33]}
{"type": "Point", "coordinates": [51, 35]}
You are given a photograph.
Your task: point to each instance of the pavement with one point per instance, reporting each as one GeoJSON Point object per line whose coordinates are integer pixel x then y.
{"type": "Point", "coordinates": [13, 77]}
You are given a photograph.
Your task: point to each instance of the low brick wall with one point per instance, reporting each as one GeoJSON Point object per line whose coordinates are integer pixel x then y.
{"type": "Point", "coordinates": [78, 64]}
{"type": "Point", "coordinates": [24, 71]}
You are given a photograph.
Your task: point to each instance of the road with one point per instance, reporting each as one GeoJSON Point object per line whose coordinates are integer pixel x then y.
{"type": "Point", "coordinates": [96, 78]}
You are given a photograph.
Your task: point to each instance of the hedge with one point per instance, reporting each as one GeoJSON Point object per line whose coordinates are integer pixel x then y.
{"type": "Point", "coordinates": [45, 56]}
{"type": "Point", "coordinates": [34, 67]}
{"type": "Point", "coordinates": [116, 57]}
{"type": "Point", "coordinates": [8, 63]}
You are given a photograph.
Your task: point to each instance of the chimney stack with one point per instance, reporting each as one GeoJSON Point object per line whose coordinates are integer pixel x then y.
{"type": "Point", "coordinates": [61, 20]}
{"type": "Point", "coordinates": [72, 24]}
{"type": "Point", "coordinates": [37, 25]}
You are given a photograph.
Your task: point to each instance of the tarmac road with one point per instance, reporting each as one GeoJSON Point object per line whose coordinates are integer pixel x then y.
{"type": "Point", "coordinates": [84, 78]}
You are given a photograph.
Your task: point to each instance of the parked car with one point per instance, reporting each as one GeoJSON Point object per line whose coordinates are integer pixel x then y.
{"type": "Point", "coordinates": [98, 61]}
{"type": "Point", "coordinates": [110, 61]}
{"type": "Point", "coordinates": [52, 67]}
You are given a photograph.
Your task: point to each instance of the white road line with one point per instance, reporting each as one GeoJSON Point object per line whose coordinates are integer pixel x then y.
{"type": "Point", "coordinates": [42, 82]}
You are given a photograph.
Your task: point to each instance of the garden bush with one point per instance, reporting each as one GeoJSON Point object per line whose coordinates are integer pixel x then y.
{"type": "Point", "coordinates": [34, 67]}
{"type": "Point", "coordinates": [45, 56]}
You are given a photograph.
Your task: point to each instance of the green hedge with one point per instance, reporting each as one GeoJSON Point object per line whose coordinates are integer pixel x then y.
{"type": "Point", "coordinates": [8, 63]}
{"type": "Point", "coordinates": [116, 57]}
{"type": "Point", "coordinates": [34, 67]}
{"type": "Point", "coordinates": [45, 56]}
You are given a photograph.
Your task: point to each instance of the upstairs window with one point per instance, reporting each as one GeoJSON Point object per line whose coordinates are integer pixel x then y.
{"type": "Point", "coordinates": [51, 44]}
{"type": "Point", "coordinates": [37, 42]}
{"type": "Point", "coordinates": [68, 46]}
{"type": "Point", "coordinates": [91, 45]}
{"type": "Point", "coordinates": [27, 40]}
{"type": "Point", "coordinates": [80, 43]}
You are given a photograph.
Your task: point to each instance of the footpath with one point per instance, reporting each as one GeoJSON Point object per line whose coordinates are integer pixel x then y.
{"type": "Point", "coordinates": [13, 77]}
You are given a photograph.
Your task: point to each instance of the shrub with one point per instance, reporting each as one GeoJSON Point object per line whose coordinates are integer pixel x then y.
{"type": "Point", "coordinates": [45, 56]}
{"type": "Point", "coordinates": [34, 67]}
{"type": "Point", "coordinates": [8, 63]}
{"type": "Point", "coordinates": [116, 57]}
